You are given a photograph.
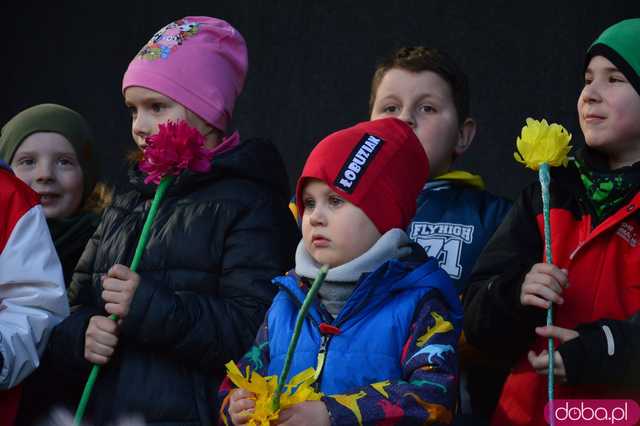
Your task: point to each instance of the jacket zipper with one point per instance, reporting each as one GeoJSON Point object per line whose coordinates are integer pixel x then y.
{"type": "Point", "coordinates": [322, 356]}
{"type": "Point", "coordinates": [325, 339]}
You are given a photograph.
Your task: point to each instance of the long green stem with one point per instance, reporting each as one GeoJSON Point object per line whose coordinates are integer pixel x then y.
{"type": "Point", "coordinates": [545, 180]}
{"type": "Point", "coordinates": [275, 402]}
{"type": "Point", "coordinates": [142, 243]}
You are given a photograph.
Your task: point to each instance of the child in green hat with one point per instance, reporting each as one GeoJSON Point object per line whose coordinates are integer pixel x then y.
{"type": "Point", "coordinates": [593, 282]}
{"type": "Point", "coordinates": [50, 148]}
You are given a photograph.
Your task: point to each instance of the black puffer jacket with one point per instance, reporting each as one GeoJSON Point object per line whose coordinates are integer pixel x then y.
{"type": "Point", "coordinates": [217, 241]}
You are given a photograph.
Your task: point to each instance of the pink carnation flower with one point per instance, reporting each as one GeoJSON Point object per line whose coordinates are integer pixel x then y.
{"type": "Point", "coordinates": [176, 147]}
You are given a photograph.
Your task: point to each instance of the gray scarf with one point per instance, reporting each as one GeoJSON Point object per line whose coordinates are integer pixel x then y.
{"type": "Point", "coordinates": [341, 280]}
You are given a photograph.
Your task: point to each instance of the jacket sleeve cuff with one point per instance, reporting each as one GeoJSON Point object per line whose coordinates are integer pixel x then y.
{"type": "Point", "coordinates": [587, 357]}
{"type": "Point", "coordinates": [338, 415]}
{"type": "Point", "coordinates": [573, 355]}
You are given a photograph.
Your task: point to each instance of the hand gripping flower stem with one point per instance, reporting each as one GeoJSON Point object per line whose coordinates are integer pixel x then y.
{"type": "Point", "coordinates": [540, 146]}
{"type": "Point", "coordinates": [175, 148]}
{"type": "Point", "coordinates": [275, 402]}
{"type": "Point", "coordinates": [142, 242]}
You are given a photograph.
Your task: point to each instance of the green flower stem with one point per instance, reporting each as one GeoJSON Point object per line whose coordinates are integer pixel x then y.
{"type": "Point", "coordinates": [545, 179]}
{"type": "Point", "coordinates": [142, 242]}
{"type": "Point", "coordinates": [275, 402]}
{"type": "Point", "coordinates": [146, 229]}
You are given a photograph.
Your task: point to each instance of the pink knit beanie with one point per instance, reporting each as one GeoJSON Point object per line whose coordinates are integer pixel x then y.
{"type": "Point", "coordinates": [199, 62]}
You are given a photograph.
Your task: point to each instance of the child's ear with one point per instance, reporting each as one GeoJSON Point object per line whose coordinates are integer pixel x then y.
{"type": "Point", "coordinates": [213, 135]}
{"type": "Point", "coordinates": [465, 136]}
{"type": "Point", "coordinates": [207, 129]}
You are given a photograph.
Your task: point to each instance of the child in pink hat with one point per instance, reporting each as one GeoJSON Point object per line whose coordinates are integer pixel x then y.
{"type": "Point", "coordinates": [200, 64]}
{"type": "Point", "coordinates": [203, 284]}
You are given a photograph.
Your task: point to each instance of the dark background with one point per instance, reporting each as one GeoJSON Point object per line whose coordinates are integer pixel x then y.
{"type": "Point", "coordinates": [311, 63]}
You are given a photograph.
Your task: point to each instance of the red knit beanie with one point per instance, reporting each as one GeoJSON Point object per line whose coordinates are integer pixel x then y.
{"type": "Point", "coordinates": [380, 166]}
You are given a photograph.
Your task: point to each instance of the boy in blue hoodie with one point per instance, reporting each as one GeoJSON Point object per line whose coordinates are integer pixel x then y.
{"type": "Point", "coordinates": [455, 215]}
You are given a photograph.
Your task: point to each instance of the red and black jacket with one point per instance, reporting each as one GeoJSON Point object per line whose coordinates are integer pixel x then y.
{"type": "Point", "coordinates": [603, 260]}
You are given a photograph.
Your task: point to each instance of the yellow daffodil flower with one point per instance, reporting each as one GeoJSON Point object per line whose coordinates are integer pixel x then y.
{"type": "Point", "coordinates": [542, 143]}
{"type": "Point", "coordinates": [540, 146]}
{"type": "Point", "coordinates": [297, 390]}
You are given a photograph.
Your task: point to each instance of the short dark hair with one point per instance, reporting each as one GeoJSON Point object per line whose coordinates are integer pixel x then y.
{"type": "Point", "coordinates": [419, 58]}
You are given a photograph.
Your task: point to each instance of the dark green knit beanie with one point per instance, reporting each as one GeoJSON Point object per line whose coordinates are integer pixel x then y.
{"type": "Point", "coordinates": [620, 43]}
{"type": "Point", "coordinates": [57, 119]}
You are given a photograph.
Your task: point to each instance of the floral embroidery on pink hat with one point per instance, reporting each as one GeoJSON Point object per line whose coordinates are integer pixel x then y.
{"type": "Point", "coordinates": [168, 38]}
{"type": "Point", "coordinates": [198, 61]}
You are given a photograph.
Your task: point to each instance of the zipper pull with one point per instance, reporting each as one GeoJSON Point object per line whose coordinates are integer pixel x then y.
{"type": "Point", "coordinates": [322, 352]}
{"type": "Point", "coordinates": [328, 329]}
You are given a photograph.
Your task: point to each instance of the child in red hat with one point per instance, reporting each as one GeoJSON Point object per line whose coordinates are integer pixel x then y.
{"type": "Point", "coordinates": [387, 318]}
